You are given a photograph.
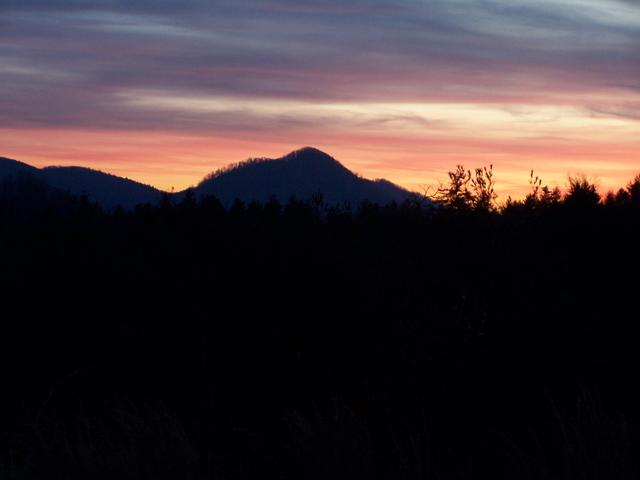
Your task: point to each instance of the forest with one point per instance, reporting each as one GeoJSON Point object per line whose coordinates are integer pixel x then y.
{"type": "Point", "coordinates": [445, 338]}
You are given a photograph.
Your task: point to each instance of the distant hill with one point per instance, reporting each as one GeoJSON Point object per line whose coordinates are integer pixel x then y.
{"type": "Point", "coordinates": [300, 174]}
{"type": "Point", "coordinates": [106, 189]}
{"type": "Point", "coordinates": [103, 188]}
{"type": "Point", "coordinates": [12, 167]}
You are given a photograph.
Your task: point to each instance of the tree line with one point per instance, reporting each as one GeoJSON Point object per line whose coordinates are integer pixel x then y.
{"type": "Point", "coordinates": [303, 340]}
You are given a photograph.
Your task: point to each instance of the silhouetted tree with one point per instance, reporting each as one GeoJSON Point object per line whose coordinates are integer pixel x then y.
{"type": "Point", "coordinates": [582, 193]}
{"type": "Point", "coordinates": [539, 195]}
{"type": "Point", "coordinates": [621, 198]}
{"type": "Point", "coordinates": [468, 190]}
{"type": "Point", "coordinates": [483, 189]}
{"type": "Point", "coordinates": [456, 195]}
{"type": "Point", "coordinates": [633, 189]}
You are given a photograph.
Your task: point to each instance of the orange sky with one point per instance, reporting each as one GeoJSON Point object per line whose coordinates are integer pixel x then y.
{"type": "Point", "coordinates": [555, 142]}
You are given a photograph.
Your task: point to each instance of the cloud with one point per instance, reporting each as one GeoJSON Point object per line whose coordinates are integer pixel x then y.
{"type": "Point", "coordinates": [628, 111]}
{"type": "Point", "coordinates": [378, 50]}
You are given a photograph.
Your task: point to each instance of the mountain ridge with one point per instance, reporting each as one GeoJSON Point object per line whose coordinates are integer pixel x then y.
{"type": "Point", "coordinates": [300, 174]}
{"type": "Point", "coordinates": [106, 189]}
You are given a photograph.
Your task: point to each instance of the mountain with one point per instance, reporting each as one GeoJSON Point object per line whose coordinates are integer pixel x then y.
{"type": "Point", "coordinates": [300, 174]}
{"type": "Point", "coordinates": [105, 189]}
{"type": "Point", "coordinates": [9, 167]}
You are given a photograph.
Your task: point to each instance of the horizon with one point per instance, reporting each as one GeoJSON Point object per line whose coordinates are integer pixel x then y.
{"type": "Point", "coordinates": [164, 94]}
{"type": "Point", "coordinates": [426, 189]}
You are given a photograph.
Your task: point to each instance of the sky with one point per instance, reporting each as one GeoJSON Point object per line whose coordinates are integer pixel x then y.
{"type": "Point", "coordinates": [165, 91]}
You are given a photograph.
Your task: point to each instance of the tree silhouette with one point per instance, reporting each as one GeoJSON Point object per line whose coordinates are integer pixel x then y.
{"type": "Point", "coordinates": [582, 193]}
{"type": "Point", "coordinates": [539, 195]}
{"type": "Point", "coordinates": [456, 195]}
{"type": "Point", "coordinates": [468, 190]}
{"type": "Point", "coordinates": [483, 189]}
{"type": "Point", "coordinates": [633, 189]}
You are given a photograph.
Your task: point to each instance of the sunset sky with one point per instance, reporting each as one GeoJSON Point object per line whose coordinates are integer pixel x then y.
{"type": "Point", "coordinates": [166, 91]}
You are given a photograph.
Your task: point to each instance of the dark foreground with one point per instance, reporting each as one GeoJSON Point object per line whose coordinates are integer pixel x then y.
{"type": "Point", "coordinates": [299, 342]}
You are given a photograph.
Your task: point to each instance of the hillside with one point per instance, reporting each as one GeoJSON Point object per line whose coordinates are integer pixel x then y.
{"type": "Point", "coordinates": [301, 174]}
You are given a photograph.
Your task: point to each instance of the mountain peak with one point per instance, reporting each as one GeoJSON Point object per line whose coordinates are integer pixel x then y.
{"type": "Point", "coordinates": [309, 154]}
{"type": "Point", "coordinates": [309, 151]}
{"type": "Point", "coordinates": [300, 174]}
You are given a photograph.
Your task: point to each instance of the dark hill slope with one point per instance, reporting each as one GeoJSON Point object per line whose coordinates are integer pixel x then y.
{"type": "Point", "coordinates": [106, 189]}
{"type": "Point", "coordinates": [103, 188]}
{"type": "Point", "coordinates": [300, 174]}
